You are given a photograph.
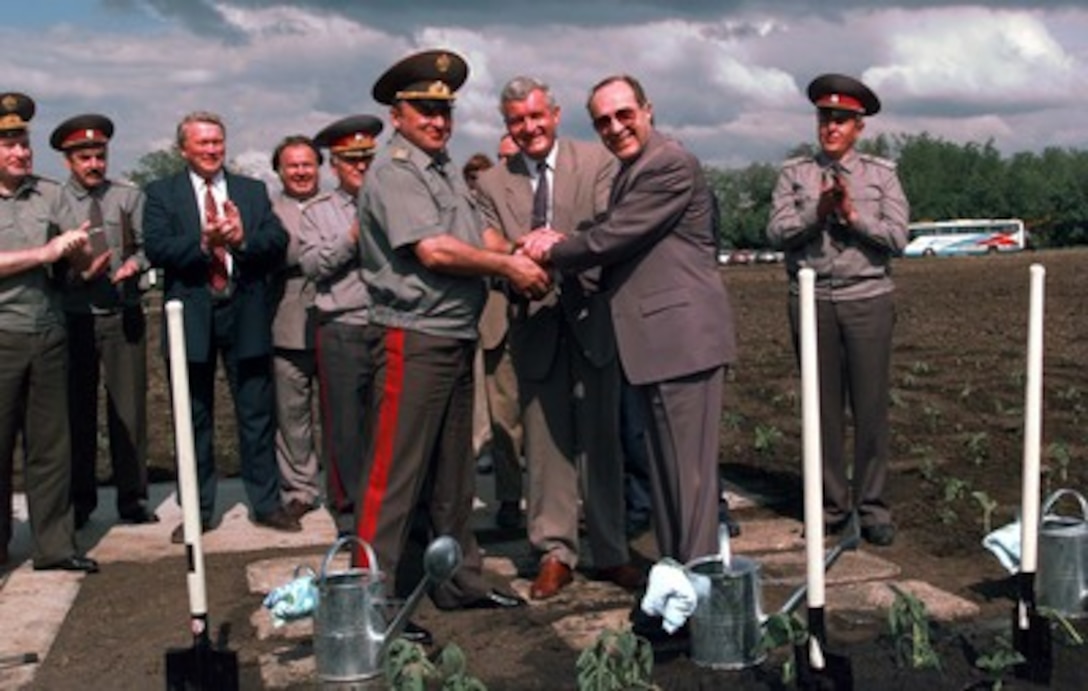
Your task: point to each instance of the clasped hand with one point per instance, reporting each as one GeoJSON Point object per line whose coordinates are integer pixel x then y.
{"type": "Point", "coordinates": [835, 201]}
{"type": "Point", "coordinates": [223, 229]}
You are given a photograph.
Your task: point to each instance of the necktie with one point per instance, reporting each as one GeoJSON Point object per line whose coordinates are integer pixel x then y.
{"type": "Point", "coordinates": [540, 197]}
{"type": "Point", "coordinates": [94, 213]}
{"type": "Point", "coordinates": [217, 266]}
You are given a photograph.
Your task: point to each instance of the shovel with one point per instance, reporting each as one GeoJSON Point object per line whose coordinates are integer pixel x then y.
{"type": "Point", "coordinates": [816, 668]}
{"type": "Point", "coordinates": [201, 666]}
{"type": "Point", "coordinates": [1031, 630]}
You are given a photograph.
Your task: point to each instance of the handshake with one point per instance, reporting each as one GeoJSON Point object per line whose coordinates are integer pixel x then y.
{"type": "Point", "coordinates": [526, 269]}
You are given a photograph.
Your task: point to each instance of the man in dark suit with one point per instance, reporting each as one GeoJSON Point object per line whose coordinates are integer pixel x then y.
{"type": "Point", "coordinates": [562, 345]}
{"type": "Point", "coordinates": [673, 322]}
{"type": "Point", "coordinates": [218, 240]}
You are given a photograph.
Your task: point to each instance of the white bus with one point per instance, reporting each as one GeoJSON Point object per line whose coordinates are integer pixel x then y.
{"type": "Point", "coordinates": [966, 236]}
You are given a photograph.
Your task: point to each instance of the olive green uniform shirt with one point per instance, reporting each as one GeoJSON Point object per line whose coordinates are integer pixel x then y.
{"type": "Point", "coordinates": [410, 196]}
{"type": "Point", "coordinates": [122, 206]}
{"type": "Point", "coordinates": [29, 300]}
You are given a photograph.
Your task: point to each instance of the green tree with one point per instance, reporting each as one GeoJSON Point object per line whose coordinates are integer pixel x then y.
{"type": "Point", "coordinates": [156, 164]}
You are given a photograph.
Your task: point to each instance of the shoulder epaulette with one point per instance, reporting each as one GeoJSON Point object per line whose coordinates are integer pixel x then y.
{"type": "Point", "coordinates": [796, 160]}
{"type": "Point", "coordinates": [400, 153]}
{"type": "Point", "coordinates": [878, 160]}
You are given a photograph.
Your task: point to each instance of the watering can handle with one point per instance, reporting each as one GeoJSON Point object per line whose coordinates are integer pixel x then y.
{"type": "Point", "coordinates": [371, 558]}
{"type": "Point", "coordinates": [1058, 494]}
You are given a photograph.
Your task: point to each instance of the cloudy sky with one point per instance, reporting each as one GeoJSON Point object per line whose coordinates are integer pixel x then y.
{"type": "Point", "coordinates": [726, 76]}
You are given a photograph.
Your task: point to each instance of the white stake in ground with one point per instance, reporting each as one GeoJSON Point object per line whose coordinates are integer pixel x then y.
{"type": "Point", "coordinates": [813, 469]}
{"type": "Point", "coordinates": [186, 458]}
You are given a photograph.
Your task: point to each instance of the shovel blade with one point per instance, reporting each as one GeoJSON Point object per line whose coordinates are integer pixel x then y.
{"type": "Point", "coordinates": [201, 668]}
{"type": "Point", "coordinates": [837, 674]}
{"type": "Point", "coordinates": [1034, 643]}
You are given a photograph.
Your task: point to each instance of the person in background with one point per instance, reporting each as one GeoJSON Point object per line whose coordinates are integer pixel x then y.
{"type": "Point", "coordinates": [34, 256]}
{"type": "Point", "coordinates": [329, 256]}
{"type": "Point", "coordinates": [297, 162]}
{"type": "Point", "coordinates": [562, 346]}
{"type": "Point", "coordinates": [106, 324]}
{"type": "Point", "coordinates": [844, 215]}
{"type": "Point", "coordinates": [216, 237]}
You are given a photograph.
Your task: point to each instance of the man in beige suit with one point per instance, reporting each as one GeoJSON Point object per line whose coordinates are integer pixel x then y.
{"type": "Point", "coordinates": [563, 349]}
{"type": "Point", "coordinates": [297, 162]}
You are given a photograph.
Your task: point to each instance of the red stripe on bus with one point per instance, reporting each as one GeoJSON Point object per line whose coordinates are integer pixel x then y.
{"type": "Point", "coordinates": [384, 439]}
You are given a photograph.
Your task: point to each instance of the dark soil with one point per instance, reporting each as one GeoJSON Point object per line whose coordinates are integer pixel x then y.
{"type": "Point", "coordinates": [957, 425]}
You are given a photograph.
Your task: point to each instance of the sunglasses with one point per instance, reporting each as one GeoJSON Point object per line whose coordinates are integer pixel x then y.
{"type": "Point", "coordinates": [430, 108]}
{"type": "Point", "coordinates": [624, 116]}
{"type": "Point", "coordinates": [837, 116]}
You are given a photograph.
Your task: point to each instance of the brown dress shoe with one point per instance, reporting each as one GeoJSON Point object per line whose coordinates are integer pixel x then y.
{"type": "Point", "coordinates": [554, 576]}
{"type": "Point", "coordinates": [626, 576]}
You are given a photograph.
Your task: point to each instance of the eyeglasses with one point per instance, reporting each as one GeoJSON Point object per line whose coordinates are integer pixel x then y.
{"type": "Point", "coordinates": [624, 116]}
{"type": "Point", "coordinates": [430, 108]}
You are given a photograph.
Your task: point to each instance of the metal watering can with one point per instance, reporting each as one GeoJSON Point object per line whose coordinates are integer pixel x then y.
{"type": "Point", "coordinates": [727, 624]}
{"type": "Point", "coordinates": [1062, 576]}
{"type": "Point", "coordinates": [351, 636]}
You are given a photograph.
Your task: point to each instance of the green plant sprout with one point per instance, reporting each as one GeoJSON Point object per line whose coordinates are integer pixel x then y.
{"type": "Point", "coordinates": [988, 504]}
{"type": "Point", "coordinates": [1069, 632]}
{"type": "Point", "coordinates": [908, 623]}
{"type": "Point", "coordinates": [780, 630]}
{"type": "Point", "coordinates": [1058, 453]}
{"type": "Point", "coordinates": [999, 662]}
{"type": "Point", "coordinates": [767, 439]}
{"type": "Point", "coordinates": [617, 661]}
{"type": "Point", "coordinates": [978, 447]}
{"type": "Point", "coordinates": [954, 489]}
{"type": "Point", "coordinates": [407, 668]}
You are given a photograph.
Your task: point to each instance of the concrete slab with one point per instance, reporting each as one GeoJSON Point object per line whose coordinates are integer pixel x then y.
{"type": "Point", "coordinates": [768, 535]}
{"type": "Point", "coordinates": [580, 631]}
{"type": "Point", "coordinates": [33, 605]}
{"type": "Point", "coordinates": [789, 568]}
{"type": "Point", "coordinates": [940, 605]}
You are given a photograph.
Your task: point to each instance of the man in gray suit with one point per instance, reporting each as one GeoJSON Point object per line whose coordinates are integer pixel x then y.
{"type": "Point", "coordinates": [673, 322]}
{"type": "Point", "coordinates": [297, 162]}
{"type": "Point", "coordinates": [562, 345]}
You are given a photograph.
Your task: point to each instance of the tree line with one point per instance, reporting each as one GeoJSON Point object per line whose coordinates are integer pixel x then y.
{"type": "Point", "coordinates": [942, 180]}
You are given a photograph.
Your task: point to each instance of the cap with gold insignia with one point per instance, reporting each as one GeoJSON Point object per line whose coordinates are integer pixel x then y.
{"type": "Point", "coordinates": [840, 92]}
{"type": "Point", "coordinates": [16, 110]}
{"type": "Point", "coordinates": [433, 75]}
{"type": "Point", "coordinates": [351, 137]}
{"type": "Point", "coordinates": [81, 131]}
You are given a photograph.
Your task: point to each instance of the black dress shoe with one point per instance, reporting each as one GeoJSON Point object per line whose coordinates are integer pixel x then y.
{"type": "Point", "coordinates": [414, 633]}
{"type": "Point", "coordinates": [137, 515]}
{"type": "Point", "coordinates": [72, 563]}
{"type": "Point", "coordinates": [880, 535]}
{"type": "Point", "coordinates": [494, 599]}
{"type": "Point", "coordinates": [279, 519]}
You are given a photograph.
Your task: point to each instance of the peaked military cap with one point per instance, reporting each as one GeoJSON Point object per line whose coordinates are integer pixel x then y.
{"type": "Point", "coordinates": [81, 131]}
{"type": "Point", "coordinates": [352, 136]}
{"type": "Point", "coordinates": [432, 75]}
{"type": "Point", "coordinates": [16, 110]}
{"type": "Point", "coordinates": [839, 92]}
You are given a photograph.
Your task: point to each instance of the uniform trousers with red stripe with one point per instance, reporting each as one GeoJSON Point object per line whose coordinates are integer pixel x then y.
{"type": "Point", "coordinates": [420, 457]}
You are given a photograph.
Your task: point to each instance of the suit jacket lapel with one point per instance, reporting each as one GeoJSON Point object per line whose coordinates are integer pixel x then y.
{"type": "Point", "coordinates": [519, 194]}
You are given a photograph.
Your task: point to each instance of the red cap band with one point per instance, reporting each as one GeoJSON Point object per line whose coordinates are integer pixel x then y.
{"type": "Point", "coordinates": [840, 102]}
{"type": "Point", "coordinates": [84, 136]}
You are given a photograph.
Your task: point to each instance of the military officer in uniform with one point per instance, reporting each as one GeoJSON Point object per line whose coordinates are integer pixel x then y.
{"type": "Point", "coordinates": [844, 215]}
{"type": "Point", "coordinates": [297, 162]}
{"type": "Point", "coordinates": [329, 256]}
{"type": "Point", "coordinates": [33, 345]}
{"type": "Point", "coordinates": [422, 259]}
{"type": "Point", "coordinates": [106, 323]}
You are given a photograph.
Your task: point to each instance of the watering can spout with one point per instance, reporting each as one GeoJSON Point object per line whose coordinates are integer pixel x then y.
{"type": "Point", "coordinates": [440, 561]}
